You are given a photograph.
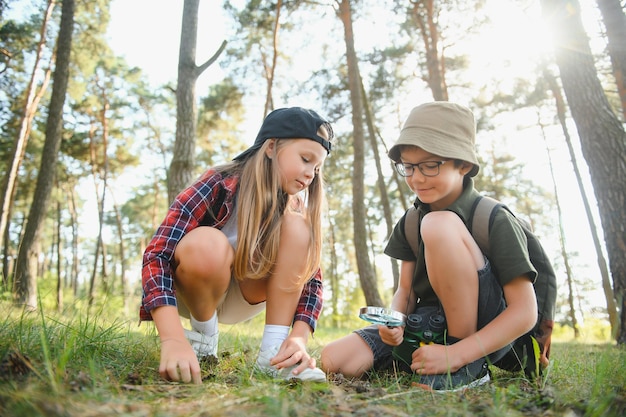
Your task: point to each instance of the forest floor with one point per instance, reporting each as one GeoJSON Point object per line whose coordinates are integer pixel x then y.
{"type": "Point", "coordinates": [82, 366]}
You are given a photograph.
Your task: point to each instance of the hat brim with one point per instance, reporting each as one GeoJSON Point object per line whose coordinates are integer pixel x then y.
{"type": "Point", "coordinates": [433, 142]}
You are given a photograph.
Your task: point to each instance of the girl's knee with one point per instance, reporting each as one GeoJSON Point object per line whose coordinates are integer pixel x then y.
{"type": "Point", "coordinates": [294, 233]}
{"type": "Point", "coordinates": [204, 249]}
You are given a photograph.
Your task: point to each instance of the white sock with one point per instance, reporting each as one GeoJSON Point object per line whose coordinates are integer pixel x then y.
{"type": "Point", "coordinates": [208, 327]}
{"type": "Point", "coordinates": [273, 334]}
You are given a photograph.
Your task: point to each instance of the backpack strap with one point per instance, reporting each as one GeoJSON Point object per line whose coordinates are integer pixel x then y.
{"type": "Point", "coordinates": [482, 214]}
{"type": "Point", "coordinates": [411, 226]}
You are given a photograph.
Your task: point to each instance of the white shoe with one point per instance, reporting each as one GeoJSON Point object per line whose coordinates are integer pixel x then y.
{"type": "Point", "coordinates": [263, 365]}
{"type": "Point", "coordinates": [202, 344]}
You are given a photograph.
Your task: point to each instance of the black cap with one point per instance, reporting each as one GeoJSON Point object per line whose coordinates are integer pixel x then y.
{"type": "Point", "coordinates": [290, 123]}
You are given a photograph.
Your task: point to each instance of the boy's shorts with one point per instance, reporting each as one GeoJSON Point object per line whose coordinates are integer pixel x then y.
{"type": "Point", "coordinates": [490, 304]}
{"type": "Point", "coordinates": [232, 307]}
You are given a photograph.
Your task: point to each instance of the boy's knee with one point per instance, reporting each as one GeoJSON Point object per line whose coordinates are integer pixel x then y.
{"type": "Point", "coordinates": [329, 359]}
{"type": "Point", "coordinates": [440, 223]}
{"type": "Point", "coordinates": [325, 361]}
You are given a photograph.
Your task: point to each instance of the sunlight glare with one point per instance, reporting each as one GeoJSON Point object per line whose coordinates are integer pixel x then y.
{"type": "Point", "coordinates": [516, 41]}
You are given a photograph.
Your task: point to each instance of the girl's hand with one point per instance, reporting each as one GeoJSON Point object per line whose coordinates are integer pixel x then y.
{"type": "Point", "coordinates": [292, 351]}
{"type": "Point", "coordinates": [391, 336]}
{"type": "Point", "coordinates": [179, 361]}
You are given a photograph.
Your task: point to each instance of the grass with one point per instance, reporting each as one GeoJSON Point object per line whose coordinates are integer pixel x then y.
{"type": "Point", "coordinates": [80, 364]}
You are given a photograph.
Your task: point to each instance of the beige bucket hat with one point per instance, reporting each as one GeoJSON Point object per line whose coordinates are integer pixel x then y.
{"type": "Point", "coordinates": [441, 128]}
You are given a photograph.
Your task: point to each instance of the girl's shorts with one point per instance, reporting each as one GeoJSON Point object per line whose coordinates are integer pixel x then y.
{"type": "Point", "coordinates": [490, 304]}
{"type": "Point", "coordinates": [232, 308]}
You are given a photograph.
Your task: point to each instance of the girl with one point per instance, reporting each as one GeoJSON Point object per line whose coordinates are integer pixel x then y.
{"type": "Point", "coordinates": [244, 238]}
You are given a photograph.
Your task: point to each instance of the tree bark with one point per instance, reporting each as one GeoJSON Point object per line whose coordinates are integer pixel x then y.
{"type": "Point", "coordinates": [366, 272]}
{"type": "Point", "coordinates": [59, 251]}
{"type": "Point", "coordinates": [101, 171]}
{"type": "Point", "coordinates": [568, 269]}
{"type": "Point", "coordinates": [425, 16]}
{"type": "Point", "coordinates": [182, 164]}
{"type": "Point", "coordinates": [33, 97]}
{"type": "Point", "coordinates": [271, 69]}
{"type": "Point", "coordinates": [122, 255]}
{"type": "Point", "coordinates": [380, 182]}
{"type": "Point", "coordinates": [25, 281]}
{"type": "Point", "coordinates": [615, 23]}
{"type": "Point", "coordinates": [602, 266]}
{"type": "Point", "coordinates": [601, 134]}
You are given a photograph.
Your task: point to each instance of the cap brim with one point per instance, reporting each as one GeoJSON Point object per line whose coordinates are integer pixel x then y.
{"type": "Point", "coordinates": [247, 153]}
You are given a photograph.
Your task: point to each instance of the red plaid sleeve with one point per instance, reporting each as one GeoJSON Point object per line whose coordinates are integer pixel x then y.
{"type": "Point", "coordinates": [186, 212]}
{"type": "Point", "coordinates": [311, 300]}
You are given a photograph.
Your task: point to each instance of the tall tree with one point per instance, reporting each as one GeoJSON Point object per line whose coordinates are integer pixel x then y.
{"type": "Point", "coordinates": [270, 70]}
{"type": "Point", "coordinates": [559, 101]}
{"type": "Point", "coordinates": [615, 23]}
{"type": "Point", "coordinates": [182, 165]}
{"type": "Point", "coordinates": [566, 263]}
{"type": "Point", "coordinates": [33, 96]}
{"type": "Point", "coordinates": [425, 15]}
{"type": "Point", "coordinates": [601, 134]}
{"type": "Point", "coordinates": [373, 135]}
{"type": "Point", "coordinates": [25, 281]}
{"type": "Point", "coordinates": [364, 265]}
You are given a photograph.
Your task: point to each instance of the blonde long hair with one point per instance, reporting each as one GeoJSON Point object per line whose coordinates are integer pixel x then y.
{"type": "Point", "coordinates": [261, 203]}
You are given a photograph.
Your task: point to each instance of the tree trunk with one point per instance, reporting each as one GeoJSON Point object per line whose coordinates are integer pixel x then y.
{"type": "Point", "coordinates": [425, 16]}
{"type": "Point", "coordinates": [25, 281]}
{"type": "Point", "coordinates": [615, 23]}
{"type": "Point", "coordinates": [366, 272]}
{"type": "Point", "coordinates": [602, 266]}
{"type": "Point", "coordinates": [33, 98]}
{"type": "Point", "coordinates": [332, 273]}
{"type": "Point", "coordinates": [601, 134]}
{"type": "Point", "coordinates": [102, 171]}
{"type": "Point", "coordinates": [380, 182]}
{"type": "Point", "coordinates": [568, 269]}
{"type": "Point", "coordinates": [58, 256]}
{"type": "Point", "coordinates": [122, 255]}
{"type": "Point", "coordinates": [73, 275]}
{"type": "Point", "coordinates": [270, 70]}
{"type": "Point", "coordinates": [182, 164]}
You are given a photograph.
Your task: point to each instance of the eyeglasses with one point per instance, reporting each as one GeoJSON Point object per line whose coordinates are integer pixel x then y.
{"type": "Point", "coordinates": [427, 168]}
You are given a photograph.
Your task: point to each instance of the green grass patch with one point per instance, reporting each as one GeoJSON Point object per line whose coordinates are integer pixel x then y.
{"type": "Point", "coordinates": [81, 363]}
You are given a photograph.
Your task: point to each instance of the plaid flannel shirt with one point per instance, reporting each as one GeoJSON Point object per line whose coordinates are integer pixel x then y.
{"type": "Point", "coordinates": [207, 202]}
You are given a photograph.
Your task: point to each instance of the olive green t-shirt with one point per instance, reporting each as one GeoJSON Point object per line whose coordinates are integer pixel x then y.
{"type": "Point", "coordinates": [508, 245]}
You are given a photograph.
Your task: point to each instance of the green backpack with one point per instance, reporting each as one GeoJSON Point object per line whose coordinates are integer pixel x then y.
{"type": "Point", "coordinates": [530, 352]}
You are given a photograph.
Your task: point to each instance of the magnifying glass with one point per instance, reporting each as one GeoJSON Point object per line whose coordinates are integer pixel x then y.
{"type": "Point", "coordinates": [381, 315]}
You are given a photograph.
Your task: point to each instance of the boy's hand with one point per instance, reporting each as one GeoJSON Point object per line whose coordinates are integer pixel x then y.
{"type": "Point", "coordinates": [391, 336]}
{"type": "Point", "coordinates": [434, 359]}
{"type": "Point", "coordinates": [179, 361]}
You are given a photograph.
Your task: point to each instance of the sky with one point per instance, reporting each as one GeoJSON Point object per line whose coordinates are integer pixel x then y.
{"type": "Point", "coordinates": [147, 34]}
{"type": "Point", "coordinates": [151, 41]}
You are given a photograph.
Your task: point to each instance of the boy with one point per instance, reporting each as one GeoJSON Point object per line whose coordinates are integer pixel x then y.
{"type": "Point", "coordinates": [487, 304]}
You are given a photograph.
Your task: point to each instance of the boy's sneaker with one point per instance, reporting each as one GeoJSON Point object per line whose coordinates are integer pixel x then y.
{"type": "Point", "coordinates": [263, 365]}
{"type": "Point", "coordinates": [204, 345]}
{"type": "Point", "coordinates": [469, 376]}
